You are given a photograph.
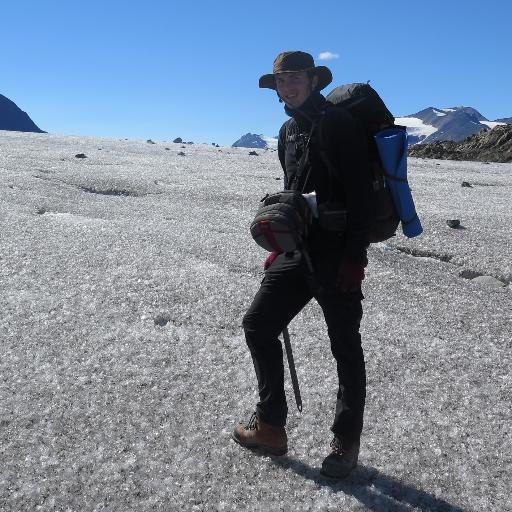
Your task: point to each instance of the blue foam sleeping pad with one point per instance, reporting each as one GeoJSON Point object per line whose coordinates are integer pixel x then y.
{"type": "Point", "coordinates": [392, 146]}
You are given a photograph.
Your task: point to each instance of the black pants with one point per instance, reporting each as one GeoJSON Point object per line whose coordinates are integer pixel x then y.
{"type": "Point", "coordinates": [288, 286]}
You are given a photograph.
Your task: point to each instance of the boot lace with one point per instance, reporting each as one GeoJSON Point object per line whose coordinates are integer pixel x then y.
{"type": "Point", "coordinates": [337, 447]}
{"type": "Point", "coordinates": [253, 423]}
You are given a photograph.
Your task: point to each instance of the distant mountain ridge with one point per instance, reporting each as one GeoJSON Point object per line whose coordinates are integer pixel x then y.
{"type": "Point", "coordinates": [440, 124]}
{"type": "Point", "coordinates": [12, 118]}
{"type": "Point", "coordinates": [429, 125]}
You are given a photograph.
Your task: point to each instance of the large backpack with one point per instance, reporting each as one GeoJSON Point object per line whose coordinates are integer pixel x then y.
{"type": "Point", "coordinates": [284, 219]}
{"type": "Point", "coordinates": [363, 103]}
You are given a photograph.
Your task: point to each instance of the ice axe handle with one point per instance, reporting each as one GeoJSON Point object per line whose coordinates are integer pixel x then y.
{"type": "Point", "coordinates": [291, 365]}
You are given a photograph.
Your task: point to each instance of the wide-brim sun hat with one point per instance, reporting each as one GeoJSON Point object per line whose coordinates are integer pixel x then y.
{"type": "Point", "coordinates": [294, 62]}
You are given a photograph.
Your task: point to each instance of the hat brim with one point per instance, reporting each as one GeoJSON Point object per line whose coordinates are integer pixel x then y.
{"type": "Point", "coordinates": [323, 72]}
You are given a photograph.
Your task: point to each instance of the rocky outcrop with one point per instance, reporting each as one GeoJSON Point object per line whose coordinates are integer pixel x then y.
{"type": "Point", "coordinates": [12, 118]}
{"type": "Point", "coordinates": [485, 146]}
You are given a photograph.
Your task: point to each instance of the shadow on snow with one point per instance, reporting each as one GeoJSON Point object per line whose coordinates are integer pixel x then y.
{"type": "Point", "coordinates": [375, 490]}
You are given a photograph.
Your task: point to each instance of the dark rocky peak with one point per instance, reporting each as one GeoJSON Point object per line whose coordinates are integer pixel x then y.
{"type": "Point", "coordinates": [438, 117]}
{"type": "Point", "coordinates": [12, 118]}
{"type": "Point", "coordinates": [456, 126]}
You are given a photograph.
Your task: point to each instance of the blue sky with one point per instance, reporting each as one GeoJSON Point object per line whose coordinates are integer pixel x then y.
{"type": "Point", "coordinates": [163, 69]}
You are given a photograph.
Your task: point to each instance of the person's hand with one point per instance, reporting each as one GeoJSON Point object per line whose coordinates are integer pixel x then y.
{"type": "Point", "coordinates": [272, 256]}
{"type": "Point", "coordinates": [350, 276]}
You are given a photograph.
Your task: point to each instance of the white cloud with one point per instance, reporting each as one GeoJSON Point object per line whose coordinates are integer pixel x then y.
{"type": "Point", "coordinates": [328, 56]}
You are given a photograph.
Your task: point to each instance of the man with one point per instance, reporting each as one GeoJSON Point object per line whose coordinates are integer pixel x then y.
{"type": "Point", "coordinates": [338, 258]}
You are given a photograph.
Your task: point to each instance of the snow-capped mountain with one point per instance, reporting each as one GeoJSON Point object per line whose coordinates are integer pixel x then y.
{"type": "Point", "coordinates": [251, 140]}
{"type": "Point", "coordinates": [426, 126]}
{"type": "Point", "coordinates": [455, 123]}
{"type": "Point", "coordinates": [12, 118]}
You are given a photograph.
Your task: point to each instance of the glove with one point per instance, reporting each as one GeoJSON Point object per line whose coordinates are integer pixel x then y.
{"type": "Point", "coordinates": [350, 276]}
{"type": "Point", "coordinates": [270, 259]}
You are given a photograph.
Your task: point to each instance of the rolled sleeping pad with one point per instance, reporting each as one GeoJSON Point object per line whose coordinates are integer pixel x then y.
{"type": "Point", "coordinates": [392, 146]}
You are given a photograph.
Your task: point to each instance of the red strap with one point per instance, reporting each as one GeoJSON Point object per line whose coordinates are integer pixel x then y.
{"type": "Point", "coordinates": [266, 230]}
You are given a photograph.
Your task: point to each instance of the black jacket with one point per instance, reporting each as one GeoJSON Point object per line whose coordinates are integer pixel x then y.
{"type": "Point", "coordinates": [346, 148]}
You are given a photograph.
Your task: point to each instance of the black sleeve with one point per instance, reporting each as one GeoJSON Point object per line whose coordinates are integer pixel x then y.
{"type": "Point", "coordinates": [346, 147]}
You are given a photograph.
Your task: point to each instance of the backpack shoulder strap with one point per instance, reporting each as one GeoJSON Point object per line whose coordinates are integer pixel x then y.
{"type": "Point", "coordinates": [329, 107]}
{"type": "Point", "coordinates": [303, 160]}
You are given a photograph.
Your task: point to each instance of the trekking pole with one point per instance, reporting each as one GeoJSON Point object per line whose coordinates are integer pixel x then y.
{"type": "Point", "coordinates": [291, 364]}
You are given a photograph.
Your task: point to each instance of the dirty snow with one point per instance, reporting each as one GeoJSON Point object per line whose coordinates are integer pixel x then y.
{"type": "Point", "coordinates": [123, 280]}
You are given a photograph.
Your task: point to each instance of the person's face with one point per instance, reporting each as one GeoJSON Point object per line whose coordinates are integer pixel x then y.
{"type": "Point", "coordinates": [294, 88]}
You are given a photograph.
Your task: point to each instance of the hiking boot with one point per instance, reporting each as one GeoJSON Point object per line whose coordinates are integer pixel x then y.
{"type": "Point", "coordinates": [257, 434]}
{"type": "Point", "coordinates": [342, 459]}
